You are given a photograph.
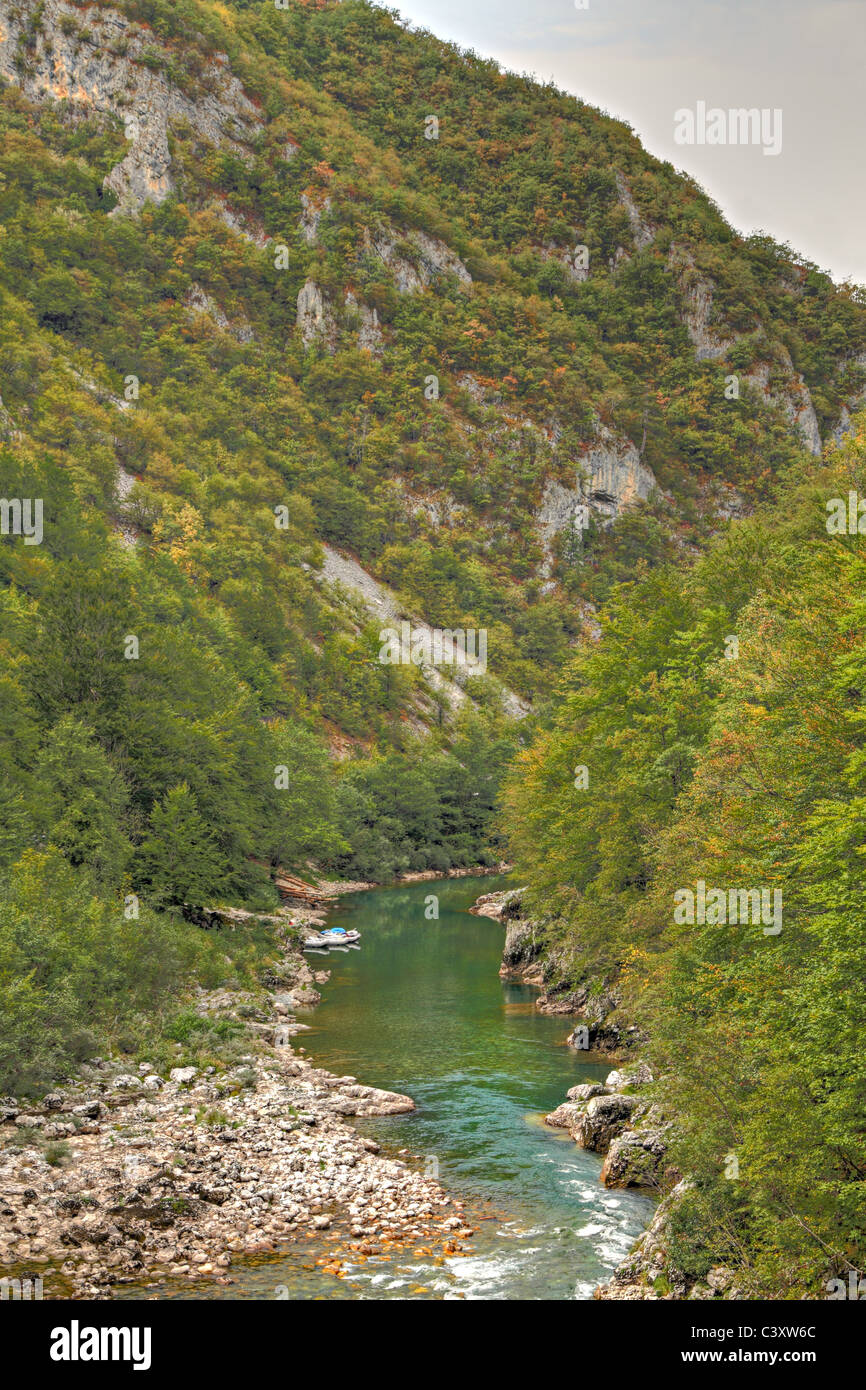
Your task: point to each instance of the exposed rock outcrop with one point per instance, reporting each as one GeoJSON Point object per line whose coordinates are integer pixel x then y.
{"type": "Point", "coordinates": [611, 477]}
{"type": "Point", "coordinates": [369, 330]}
{"type": "Point", "coordinates": [382, 603]}
{"type": "Point", "coordinates": [643, 231]}
{"type": "Point", "coordinates": [648, 1263]}
{"type": "Point", "coordinates": [8, 432]}
{"type": "Point", "coordinates": [601, 1119]}
{"type": "Point", "coordinates": [314, 317]}
{"type": "Point", "coordinates": [568, 258]}
{"type": "Point", "coordinates": [239, 223]}
{"type": "Point", "coordinates": [697, 291]}
{"type": "Point", "coordinates": [599, 1028]}
{"type": "Point", "coordinates": [520, 955]}
{"type": "Point", "coordinates": [611, 1120]}
{"type": "Point", "coordinates": [615, 476]}
{"type": "Point", "coordinates": [312, 211]}
{"type": "Point", "coordinates": [198, 301]}
{"type": "Point", "coordinates": [102, 60]}
{"type": "Point", "coordinates": [854, 402]}
{"type": "Point", "coordinates": [415, 259]}
{"type": "Point", "coordinates": [793, 397]}
{"type": "Point", "coordinates": [635, 1158]}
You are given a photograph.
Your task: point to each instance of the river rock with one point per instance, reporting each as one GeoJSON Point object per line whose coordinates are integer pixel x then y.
{"type": "Point", "coordinates": [635, 1159]}
{"type": "Point", "coordinates": [586, 1091]}
{"type": "Point", "coordinates": [603, 1119]}
{"type": "Point", "coordinates": [156, 1190]}
{"type": "Point", "coordinates": [565, 1116]}
{"type": "Point", "coordinates": [641, 1075]}
{"type": "Point", "coordinates": [368, 1101]}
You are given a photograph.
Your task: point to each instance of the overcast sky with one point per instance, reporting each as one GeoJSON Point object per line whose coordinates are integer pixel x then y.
{"type": "Point", "coordinates": [642, 60]}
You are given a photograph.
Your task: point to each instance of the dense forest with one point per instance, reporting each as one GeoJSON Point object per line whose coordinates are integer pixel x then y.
{"type": "Point", "coordinates": [348, 329]}
{"type": "Point", "coordinates": [720, 723]}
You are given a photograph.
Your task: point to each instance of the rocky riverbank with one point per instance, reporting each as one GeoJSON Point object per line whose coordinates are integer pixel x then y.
{"type": "Point", "coordinates": [336, 887]}
{"type": "Point", "coordinates": [650, 1272]}
{"type": "Point", "coordinates": [129, 1175]}
{"type": "Point", "coordinates": [595, 1005]}
{"type": "Point", "coordinates": [619, 1119]}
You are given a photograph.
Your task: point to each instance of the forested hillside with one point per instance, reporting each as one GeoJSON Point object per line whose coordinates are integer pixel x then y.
{"type": "Point", "coordinates": [720, 723]}
{"type": "Point", "coordinates": [249, 307]}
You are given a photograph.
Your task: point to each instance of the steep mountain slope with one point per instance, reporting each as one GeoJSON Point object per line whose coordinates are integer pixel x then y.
{"type": "Point", "coordinates": [238, 206]}
{"type": "Point", "coordinates": [279, 279]}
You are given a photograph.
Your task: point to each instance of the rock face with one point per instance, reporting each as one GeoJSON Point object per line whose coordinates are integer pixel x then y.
{"type": "Point", "coordinates": [600, 1028]}
{"type": "Point", "coordinates": [568, 259]}
{"type": "Point", "coordinates": [776, 380]}
{"type": "Point", "coordinates": [93, 56]}
{"type": "Point", "coordinates": [198, 301]}
{"type": "Point", "coordinates": [416, 259]}
{"type": "Point", "coordinates": [615, 476]}
{"type": "Point", "coordinates": [520, 955]}
{"type": "Point", "coordinates": [369, 331]}
{"type": "Point", "coordinates": [635, 1158]}
{"type": "Point", "coordinates": [313, 319]}
{"type": "Point", "coordinates": [611, 478]}
{"type": "Point", "coordinates": [312, 212]}
{"type": "Point", "coordinates": [594, 1122]}
{"type": "Point", "coordinates": [7, 424]}
{"type": "Point", "coordinates": [642, 231]}
{"type": "Point", "coordinates": [601, 1120]}
{"type": "Point", "coordinates": [594, 1003]}
{"type": "Point", "coordinates": [697, 291]}
{"type": "Point", "coordinates": [699, 305]}
{"type": "Point", "coordinates": [792, 397]}
{"type": "Point", "coordinates": [341, 572]}
{"type": "Point", "coordinates": [854, 402]}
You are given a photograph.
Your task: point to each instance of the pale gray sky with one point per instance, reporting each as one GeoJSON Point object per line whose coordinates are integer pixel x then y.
{"type": "Point", "coordinates": [642, 60]}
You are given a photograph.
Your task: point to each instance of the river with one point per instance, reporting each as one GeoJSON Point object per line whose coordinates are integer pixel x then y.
{"type": "Point", "coordinates": [420, 1008]}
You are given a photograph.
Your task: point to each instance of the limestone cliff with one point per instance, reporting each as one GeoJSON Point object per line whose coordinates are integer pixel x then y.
{"type": "Point", "coordinates": [610, 476]}
{"type": "Point", "coordinates": [100, 60]}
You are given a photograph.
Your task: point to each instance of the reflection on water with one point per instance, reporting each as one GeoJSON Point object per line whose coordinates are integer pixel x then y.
{"type": "Point", "coordinates": [421, 1009]}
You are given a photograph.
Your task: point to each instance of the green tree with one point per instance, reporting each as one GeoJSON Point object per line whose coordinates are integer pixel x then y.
{"type": "Point", "coordinates": [179, 861]}
{"type": "Point", "coordinates": [83, 801]}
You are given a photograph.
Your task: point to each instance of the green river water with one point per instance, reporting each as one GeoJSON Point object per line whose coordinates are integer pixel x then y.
{"type": "Point", "coordinates": [420, 1008]}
